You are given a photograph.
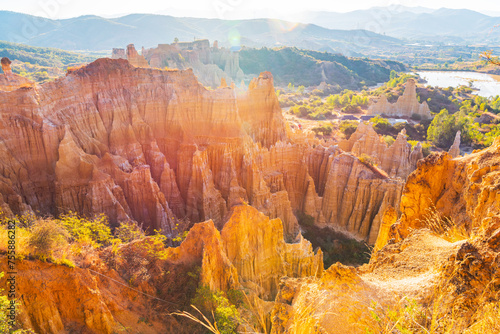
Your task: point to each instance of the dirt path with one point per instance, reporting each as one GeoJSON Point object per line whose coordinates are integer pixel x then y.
{"type": "Point", "coordinates": [411, 269]}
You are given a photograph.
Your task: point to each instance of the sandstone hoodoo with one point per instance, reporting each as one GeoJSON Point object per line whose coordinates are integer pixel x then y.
{"type": "Point", "coordinates": [155, 146]}
{"type": "Point", "coordinates": [455, 148]}
{"type": "Point", "coordinates": [6, 66]}
{"type": "Point", "coordinates": [10, 81]}
{"type": "Point", "coordinates": [406, 106]}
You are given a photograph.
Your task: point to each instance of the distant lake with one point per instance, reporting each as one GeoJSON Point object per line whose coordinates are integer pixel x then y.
{"type": "Point", "coordinates": [488, 85]}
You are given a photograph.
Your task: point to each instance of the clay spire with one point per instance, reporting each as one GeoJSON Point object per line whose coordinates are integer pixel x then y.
{"type": "Point", "coordinates": [6, 66]}
{"type": "Point", "coordinates": [455, 148]}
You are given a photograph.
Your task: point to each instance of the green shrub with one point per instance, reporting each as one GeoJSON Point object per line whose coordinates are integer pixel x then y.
{"type": "Point", "coordinates": [348, 128]}
{"type": "Point", "coordinates": [367, 160]}
{"type": "Point", "coordinates": [381, 125]}
{"type": "Point", "coordinates": [305, 219]}
{"type": "Point", "coordinates": [129, 231]}
{"type": "Point", "coordinates": [5, 321]}
{"type": "Point", "coordinates": [324, 129]}
{"type": "Point", "coordinates": [389, 140]}
{"type": "Point", "coordinates": [94, 231]}
{"type": "Point", "coordinates": [225, 314]}
{"type": "Point", "coordinates": [66, 262]}
{"type": "Point", "coordinates": [350, 109]}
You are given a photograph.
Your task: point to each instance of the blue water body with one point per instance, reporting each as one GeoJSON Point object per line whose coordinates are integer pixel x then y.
{"type": "Point", "coordinates": [487, 85]}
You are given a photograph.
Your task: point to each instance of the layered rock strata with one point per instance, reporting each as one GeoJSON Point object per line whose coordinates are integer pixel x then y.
{"type": "Point", "coordinates": [462, 190]}
{"type": "Point", "coordinates": [135, 58]}
{"type": "Point", "coordinates": [154, 146]}
{"type": "Point", "coordinates": [249, 252]}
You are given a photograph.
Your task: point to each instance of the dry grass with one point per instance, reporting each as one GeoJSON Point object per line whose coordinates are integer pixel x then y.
{"type": "Point", "coordinates": [259, 314]}
{"type": "Point", "coordinates": [489, 322]}
{"type": "Point", "coordinates": [443, 226]}
{"type": "Point", "coordinates": [212, 327]}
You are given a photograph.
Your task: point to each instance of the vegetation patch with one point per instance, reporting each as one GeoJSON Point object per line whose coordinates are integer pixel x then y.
{"type": "Point", "coordinates": [336, 246]}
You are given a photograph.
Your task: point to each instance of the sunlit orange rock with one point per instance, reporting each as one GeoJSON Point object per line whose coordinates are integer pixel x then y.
{"type": "Point", "coordinates": [10, 81]}
{"type": "Point", "coordinates": [155, 146]}
{"type": "Point", "coordinates": [134, 57]}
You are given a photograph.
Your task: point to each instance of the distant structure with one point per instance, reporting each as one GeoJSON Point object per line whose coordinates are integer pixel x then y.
{"type": "Point", "coordinates": [131, 54]}
{"type": "Point", "coordinates": [406, 106]}
{"type": "Point", "coordinates": [118, 54]}
{"type": "Point", "coordinates": [210, 63]}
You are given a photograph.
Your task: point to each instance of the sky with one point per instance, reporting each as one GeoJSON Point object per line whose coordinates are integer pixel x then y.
{"type": "Point", "coordinates": [224, 9]}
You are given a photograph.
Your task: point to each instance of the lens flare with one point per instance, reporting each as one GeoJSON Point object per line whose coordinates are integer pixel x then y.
{"type": "Point", "coordinates": [234, 38]}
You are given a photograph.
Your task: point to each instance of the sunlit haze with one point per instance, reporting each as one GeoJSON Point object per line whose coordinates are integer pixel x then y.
{"type": "Point", "coordinates": [225, 9]}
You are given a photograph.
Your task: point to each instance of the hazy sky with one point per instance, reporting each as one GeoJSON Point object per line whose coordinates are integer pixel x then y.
{"type": "Point", "coordinates": [226, 9]}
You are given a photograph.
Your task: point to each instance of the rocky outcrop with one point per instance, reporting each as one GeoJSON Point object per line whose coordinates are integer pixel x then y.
{"type": "Point", "coordinates": [356, 196]}
{"type": "Point", "coordinates": [345, 297]}
{"type": "Point", "coordinates": [255, 245]}
{"type": "Point", "coordinates": [134, 58]}
{"type": "Point", "coordinates": [460, 190]}
{"type": "Point", "coordinates": [7, 71]}
{"type": "Point", "coordinates": [406, 106]}
{"type": "Point", "coordinates": [10, 81]}
{"type": "Point", "coordinates": [455, 148]}
{"type": "Point", "coordinates": [397, 160]}
{"type": "Point", "coordinates": [58, 299]}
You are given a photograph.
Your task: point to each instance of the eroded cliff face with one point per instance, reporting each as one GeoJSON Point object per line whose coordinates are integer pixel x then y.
{"type": "Point", "coordinates": [153, 146]}
{"type": "Point", "coordinates": [58, 299]}
{"type": "Point", "coordinates": [116, 287]}
{"type": "Point", "coordinates": [397, 160]}
{"type": "Point", "coordinates": [463, 189]}
{"type": "Point", "coordinates": [441, 255]}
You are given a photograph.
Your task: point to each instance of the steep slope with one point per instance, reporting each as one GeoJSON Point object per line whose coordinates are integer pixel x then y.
{"type": "Point", "coordinates": [429, 276]}
{"type": "Point", "coordinates": [397, 160]}
{"type": "Point", "coordinates": [135, 286]}
{"type": "Point", "coordinates": [463, 190]}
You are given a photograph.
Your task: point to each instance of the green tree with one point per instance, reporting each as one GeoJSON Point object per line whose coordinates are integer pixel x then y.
{"type": "Point", "coordinates": [333, 100]}
{"type": "Point", "coordinates": [443, 128]}
{"type": "Point", "coordinates": [393, 75]}
{"type": "Point", "coordinates": [344, 100]}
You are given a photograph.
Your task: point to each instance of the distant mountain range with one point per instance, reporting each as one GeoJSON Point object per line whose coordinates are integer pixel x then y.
{"type": "Point", "coordinates": [357, 33]}
{"type": "Point", "coordinates": [414, 23]}
{"type": "Point", "coordinates": [148, 30]}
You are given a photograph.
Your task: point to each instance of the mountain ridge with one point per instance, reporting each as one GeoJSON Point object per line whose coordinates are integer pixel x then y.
{"type": "Point", "coordinates": [98, 33]}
